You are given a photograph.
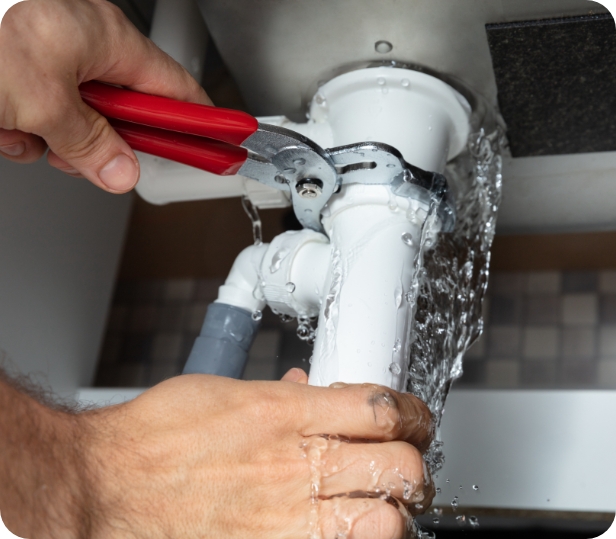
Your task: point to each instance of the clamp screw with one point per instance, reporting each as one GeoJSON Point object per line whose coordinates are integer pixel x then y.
{"type": "Point", "coordinates": [309, 188]}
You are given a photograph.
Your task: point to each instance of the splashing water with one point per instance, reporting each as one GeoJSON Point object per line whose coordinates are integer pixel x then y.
{"type": "Point", "coordinates": [452, 277]}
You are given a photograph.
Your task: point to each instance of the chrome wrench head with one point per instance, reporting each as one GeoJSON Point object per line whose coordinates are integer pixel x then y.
{"type": "Point", "coordinates": [288, 161]}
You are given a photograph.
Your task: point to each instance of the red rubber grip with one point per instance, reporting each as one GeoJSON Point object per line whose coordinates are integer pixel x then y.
{"type": "Point", "coordinates": [232, 126]}
{"type": "Point", "coordinates": [207, 154]}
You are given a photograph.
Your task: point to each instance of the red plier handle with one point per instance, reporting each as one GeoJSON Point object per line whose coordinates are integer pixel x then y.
{"type": "Point", "coordinates": [201, 136]}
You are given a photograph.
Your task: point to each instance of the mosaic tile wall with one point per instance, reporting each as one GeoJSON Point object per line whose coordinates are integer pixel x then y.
{"type": "Point", "coordinates": [543, 330]}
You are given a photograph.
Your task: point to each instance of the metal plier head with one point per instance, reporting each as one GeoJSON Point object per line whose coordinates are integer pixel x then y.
{"type": "Point", "coordinates": [286, 160]}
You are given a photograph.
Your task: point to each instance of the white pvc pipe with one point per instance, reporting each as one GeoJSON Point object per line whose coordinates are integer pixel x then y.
{"type": "Point", "coordinates": [365, 319]}
{"type": "Point", "coordinates": [294, 271]}
{"type": "Point", "coordinates": [419, 115]}
{"type": "Point", "coordinates": [357, 281]}
{"type": "Point", "coordinates": [241, 289]}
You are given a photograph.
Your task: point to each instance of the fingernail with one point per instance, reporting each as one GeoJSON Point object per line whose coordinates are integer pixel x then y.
{"type": "Point", "coordinates": [72, 171]}
{"type": "Point", "coordinates": [14, 150]}
{"type": "Point", "coordinates": [120, 174]}
{"type": "Point", "coordinates": [338, 385]}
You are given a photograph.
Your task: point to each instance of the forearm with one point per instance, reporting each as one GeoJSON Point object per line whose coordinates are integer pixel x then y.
{"type": "Point", "coordinates": [42, 492]}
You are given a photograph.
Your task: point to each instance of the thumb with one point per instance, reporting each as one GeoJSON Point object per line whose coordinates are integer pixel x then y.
{"type": "Point", "coordinates": [81, 141]}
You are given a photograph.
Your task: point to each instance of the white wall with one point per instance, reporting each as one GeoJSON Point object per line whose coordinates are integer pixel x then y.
{"type": "Point", "coordinates": [549, 450]}
{"type": "Point", "coordinates": [60, 243]}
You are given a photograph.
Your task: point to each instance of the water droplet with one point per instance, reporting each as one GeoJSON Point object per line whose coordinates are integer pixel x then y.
{"type": "Point", "coordinates": [395, 369]}
{"type": "Point", "coordinates": [407, 238]}
{"type": "Point", "coordinates": [290, 287]}
{"type": "Point", "coordinates": [473, 521]}
{"type": "Point", "coordinates": [461, 520]}
{"type": "Point", "coordinates": [397, 346]}
{"type": "Point", "coordinates": [257, 315]}
{"type": "Point", "coordinates": [381, 81]}
{"type": "Point", "coordinates": [438, 490]}
{"type": "Point", "coordinates": [406, 83]}
{"type": "Point", "coordinates": [454, 503]}
{"type": "Point", "coordinates": [383, 47]}
{"type": "Point", "coordinates": [320, 99]}
{"type": "Point", "coordinates": [447, 481]}
{"type": "Point", "coordinates": [475, 487]}
{"type": "Point", "coordinates": [461, 488]}
{"type": "Point", "coordinates": [407, 490]}
{"type": "Point", "coordinates": [435, 520]}
{"type": "Point", "coordinates": [277, 259]}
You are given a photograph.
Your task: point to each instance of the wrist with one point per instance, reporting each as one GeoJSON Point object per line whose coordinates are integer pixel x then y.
{"type": "Point", "coordinates": [42, 474]}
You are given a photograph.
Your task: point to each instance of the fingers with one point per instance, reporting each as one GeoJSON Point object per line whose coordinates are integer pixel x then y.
{"type": "Point", "coordinates": [359, 518]}
{"type": "Point", "coordinates": [21, 147]}
{"type": "Point", "coordinates": [393, 469]}
{"type": "Point", "coordinates": [295, 375]}
{"type": "Point", "coordinates": [370, 412]}
{"type": "Point", "coordinates": [84, 143]}
{"type": "Point", "coordinates": [63, 44]}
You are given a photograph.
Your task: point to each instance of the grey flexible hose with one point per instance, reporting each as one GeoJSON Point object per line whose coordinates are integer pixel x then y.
{"type": "Point", "coordinates": [223, 345]}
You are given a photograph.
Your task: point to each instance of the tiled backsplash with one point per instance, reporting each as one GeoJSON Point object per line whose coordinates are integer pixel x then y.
{"type": "Point", "coordinates": [542, 330]}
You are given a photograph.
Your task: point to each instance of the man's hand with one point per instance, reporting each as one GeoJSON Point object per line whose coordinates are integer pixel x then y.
{"type": "Point", "coordinates": [203, 456]}
{"type": "Point", "coordinates": [47, 49]}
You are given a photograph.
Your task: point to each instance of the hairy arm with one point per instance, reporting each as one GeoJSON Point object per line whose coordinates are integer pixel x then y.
{"type": "Point", "coordinates": [41, 472]}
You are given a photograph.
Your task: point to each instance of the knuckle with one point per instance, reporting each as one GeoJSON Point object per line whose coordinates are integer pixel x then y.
{"type": "Point", "coordinates": [33, 119]}
{"type": "Point", "coordinates": [13, 19]}
{"type": "Point", "coordinates": [385, 406]}
{"type": "Point", "coordinates": [32, 21]}
{"type": "Point", "coordinates": [112, 12]}
{"type": "Point", "coordinates": [90, 143]}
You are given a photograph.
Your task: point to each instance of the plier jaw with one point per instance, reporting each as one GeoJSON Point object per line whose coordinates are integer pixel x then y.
{"type": "Point", "coordinates": [228, 142]}
{"type": "Point", "coordinates": [288, 161]}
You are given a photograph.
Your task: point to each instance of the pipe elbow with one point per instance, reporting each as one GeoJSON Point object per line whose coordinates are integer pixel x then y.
{"type": "Point", "coordinates": [242, 287]}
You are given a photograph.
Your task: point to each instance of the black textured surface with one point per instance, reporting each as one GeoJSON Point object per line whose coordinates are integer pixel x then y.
{"type": "Point", "coordinates": [556, 83]}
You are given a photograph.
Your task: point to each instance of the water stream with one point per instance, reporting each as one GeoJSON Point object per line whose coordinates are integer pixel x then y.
{"type": "Point", "coordinates": [451, 280]}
